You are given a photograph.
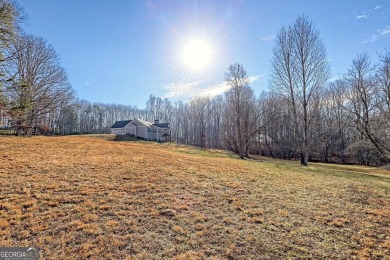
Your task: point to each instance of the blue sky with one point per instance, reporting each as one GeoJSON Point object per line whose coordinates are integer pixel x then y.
{"type": "Point", "coordinates": [124, 50]}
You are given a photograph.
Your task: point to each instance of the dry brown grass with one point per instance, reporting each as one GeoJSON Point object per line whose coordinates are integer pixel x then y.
{"type": "Point", "coordinates": [77, 197]}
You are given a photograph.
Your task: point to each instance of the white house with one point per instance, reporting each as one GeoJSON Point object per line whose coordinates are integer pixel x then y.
{"type": "Point", "coordinates": [143, 129]}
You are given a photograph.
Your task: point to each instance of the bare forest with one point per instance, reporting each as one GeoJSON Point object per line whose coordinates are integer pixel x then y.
{"type": "Point", "coordinates": [304, 115]}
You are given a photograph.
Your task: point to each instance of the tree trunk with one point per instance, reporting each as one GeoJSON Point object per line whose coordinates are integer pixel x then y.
{"type": "Point", "coordinates": [306, 159]}
{"type": "Point", "coordinates": [304, 155]}
{"type": "Point", "coordinates": [326, 159]}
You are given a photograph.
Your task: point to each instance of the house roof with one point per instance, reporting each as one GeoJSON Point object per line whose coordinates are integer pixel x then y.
{"type": "Point", "coordinates": [140, 122]}
{"type": "Point", "coordinates": [162, 125]}
{"type": "Point", "coordinates": [120, 124]}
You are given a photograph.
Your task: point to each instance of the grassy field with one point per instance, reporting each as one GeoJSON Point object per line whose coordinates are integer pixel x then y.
{"type": "Point", "coordinates": [81, 196]}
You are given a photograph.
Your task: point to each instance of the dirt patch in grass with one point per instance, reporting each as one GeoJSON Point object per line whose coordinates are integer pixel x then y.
{"type": "Point", "coordinates": [77, 197]}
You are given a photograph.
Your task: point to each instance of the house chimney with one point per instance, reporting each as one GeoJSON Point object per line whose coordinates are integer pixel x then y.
{"type": "Point", "coordinates": [156, 121]}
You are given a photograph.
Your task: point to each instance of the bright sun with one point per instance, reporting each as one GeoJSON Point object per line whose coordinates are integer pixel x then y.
{"type": "Point", "coordinates": [197, 54]}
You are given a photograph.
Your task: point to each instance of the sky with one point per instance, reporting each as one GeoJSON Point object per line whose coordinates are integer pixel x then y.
{"type": "Point", "coordinates": [122, 51]}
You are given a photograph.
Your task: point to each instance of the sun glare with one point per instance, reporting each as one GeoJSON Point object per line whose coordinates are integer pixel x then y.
{"type": "Point", "coordinates": [197, 54]}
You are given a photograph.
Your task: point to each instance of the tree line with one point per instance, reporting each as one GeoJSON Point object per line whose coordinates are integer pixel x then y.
{"type": "Point", "coordinates": [33, 83]}
{"type": "Point", "coordinates": [303, 116]}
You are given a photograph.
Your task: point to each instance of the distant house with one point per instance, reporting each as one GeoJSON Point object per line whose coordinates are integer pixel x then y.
{"type": "Point", "coordinates": [143, 129]}
{"type": "Point", "coordinates": [122, 127]}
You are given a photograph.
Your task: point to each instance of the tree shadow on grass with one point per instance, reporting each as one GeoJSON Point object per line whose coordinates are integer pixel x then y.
{"type": "Point", "coordinates": [127, 138]}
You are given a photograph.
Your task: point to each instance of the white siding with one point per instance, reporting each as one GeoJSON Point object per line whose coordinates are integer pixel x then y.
{"type": "Point", "coordinates": [118, 131]}
{"type": "Point", "coordinates": [130, 129]}
{"type": "Point", "coordinates": [142, 132]}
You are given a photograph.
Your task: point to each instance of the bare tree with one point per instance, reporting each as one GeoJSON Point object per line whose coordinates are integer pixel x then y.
{"type": "Point", "coordinates": [334, 124]}
{"type": "Point", "coordinates": [241, 112]}
{"type": "Point", "coordinates": [367, 103]}
{"type": "Point", "coordinates": [200, 118]}
{"type": "Point", "coordinates": [37, 83]}
{"type": "Point", "coordinates": [299, 71]}
{"type": "Point", "coordinates": [10, 16]}
{"type": "Point", "coordinates": [383, 81]}
{"type": "Point", "coordinates": [154, 108]}
{"type": "Point", "coordinates": [217, 106]}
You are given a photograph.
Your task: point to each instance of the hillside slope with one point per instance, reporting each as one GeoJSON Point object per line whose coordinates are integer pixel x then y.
{"type": "Point", "coordinates": [77, 197]}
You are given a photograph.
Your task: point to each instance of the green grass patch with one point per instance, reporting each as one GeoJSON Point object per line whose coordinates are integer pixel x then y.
{"type": "Point", "coordinates": [372, 175]}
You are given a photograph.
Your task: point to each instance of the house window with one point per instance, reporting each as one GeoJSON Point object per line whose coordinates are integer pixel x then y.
{"type": "Point", "coordinates": [154, 130]}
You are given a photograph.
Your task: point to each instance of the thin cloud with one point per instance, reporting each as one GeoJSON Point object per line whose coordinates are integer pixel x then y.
{"type": "Point", "coordinates": [384, 32]}
{"type": "Point", "coordinates": [88, 82]}
{"type": "Point", "coordinates": [334, 79]}
{"type": "Point", "coordinates": [254, 78]}
{"type": "Point", "coordinates": [363, 16]}
{"type": "Point", "coordinates": [220, 88]}
{"type": "Point", "coordinates": [186, 89]}
{"type": "Point", "coordinates": [372, 13]}
{"type": "Point", "coordinates": [267, 38]}
{"type": "Point", "coordinates": [182, 89]}
{"type": "Point", "coordinates": [214, 90]}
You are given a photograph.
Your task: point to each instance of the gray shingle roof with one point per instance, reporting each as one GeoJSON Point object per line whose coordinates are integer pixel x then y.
{"type": "Point", "coordinates": [162, 125]}
{"type": "Point", "coordinates": [120, 124]}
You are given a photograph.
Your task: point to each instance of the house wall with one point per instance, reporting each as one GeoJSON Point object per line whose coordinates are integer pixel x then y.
{"type": "Point", "coordinates": [142, 132]}
{"type": "Point", "coordinates": [153, 134]}
{"type": "Point", "coordinates": [118, 131]}
{"type": "Point", "coordinates": [160, 134]}
{"type": "Point", "coordinates": [131, 130]}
